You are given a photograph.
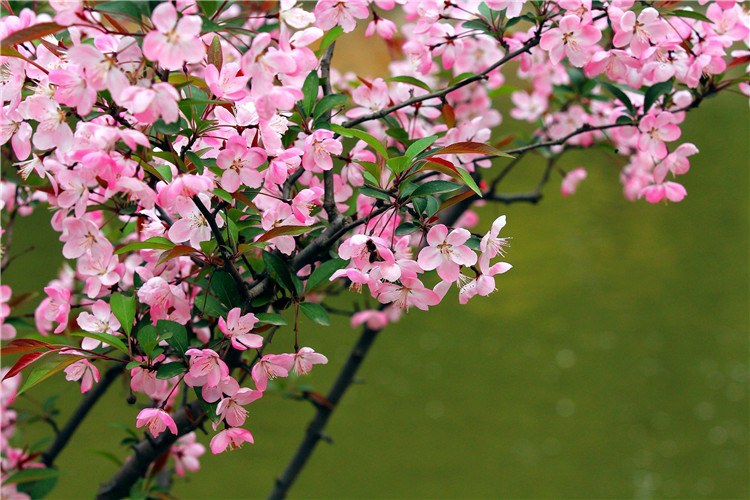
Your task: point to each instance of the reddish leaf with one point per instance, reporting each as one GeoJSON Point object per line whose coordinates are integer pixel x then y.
{"type": "Point", "coordinates": [23, 362]}
{"type": "Point", "coordinates": [469, 147]}
{"type": "Point", "coordinates": [738, 60]}
{"type": "Point", "coordinates": [32, 33]}
{"type": "Point", "coordinates": [449, 116]}
{"type": "Point", "coordinates": [283, 230]}
{"type": "Point", "coordinates": [17, 346]}
{"type": "Point", "coordinates": [178, 251]}
{"type": "Point", "coordinates": [244, 199]}
{"type": "Point", "coordinates": [455, 199]}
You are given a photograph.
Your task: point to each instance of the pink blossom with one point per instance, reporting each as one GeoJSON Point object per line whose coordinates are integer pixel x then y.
{"type": "Point", "coordinates": [102, 321]}
{"type": "Point", "coordinates": [149, 104]}
{"type": "Point", "coordinates": [156, 420]}
{"type": "Point", "coordinates": [491, 244]}
{"type": "Point", "coordinates": [675, 162]}
{"type": "Point", "coordinates": [240, 164]}
{"type": "Point", "coordinates": [225, 84]}
{"type": "Point", "coordinates": [370, 97]}
{"type": "Point", "coordinates": [656, 129]}
{"type": "Point", "coordinates": [55, 307]}
{"type": "Point", "coordinates": [305, 358]}
{"type": "Point", "coordinates": [238, 328]}
{"type": "Point", "coordinates": [192, 225]}
{"type": "Point", "coordinates": [571, 181]}
{"type": "Point", "coordinates": [483, 283]}
{"type": "Point", "coordinates": [318, 150]}
{"type": "Point", "coordinates": [385, 28]}
{"type": "Point", "coordinates": [411, 292]}
{"type": "Point", "coordinates": [446, 252]}
{"type": "Point", "coordinates": [231, 409]}
{"type": "Point", "coordinates": [528, 107]}
{"type": "Point", "coordinates": [166, 301]}
{"type": "Point", "coordinates": [73, 89]}
{"type": "Point", "coordinates": [232, 438]}
{"type": "Point", "coordinates": [173, 43]}
{"type": "Point", "coordinates": [84, 371]}
{"type": "Point", "coordinates": [145, 381]}
{"type": "Point", "coordinates": [637, 33]}
{"type": "Point", "coordinates": [269, 367]}
{"type": "Point", "coordinates": [571, 38]}
{"type": "Point", "coordinates": [304, 202]}
{"type": "Point", "coordinates": [330, 13]}
{"type": "Point", "coordinates": [206, 368]}
{"type": "Point", "coordinates": [375, 320]}
{"type": "Point", "coordinates": [185, 453]}
{"type": "Point", "coordinates": [7, 331]}
{"type": "Point", "coordinates": [671, 191]}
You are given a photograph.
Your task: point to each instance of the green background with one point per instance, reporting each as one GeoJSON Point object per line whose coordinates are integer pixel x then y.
{"type": "Point", "coordinates": [611, 363]}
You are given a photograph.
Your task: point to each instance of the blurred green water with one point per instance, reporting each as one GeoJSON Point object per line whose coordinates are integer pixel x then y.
{"type": "Point", "coordinates": [612, 363]}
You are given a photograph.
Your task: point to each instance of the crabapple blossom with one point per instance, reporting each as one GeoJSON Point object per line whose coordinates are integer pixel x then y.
{"type": "Point", "coordinates": [231, 408]}
{"type": "Point", "coordinates": [84, 371]}
{"type": "Point", "coordinates": [185, 453]}
{"type": "Point", "coordinates": [571, 38]}
{"type": "Point", "coordinates": [231, 438]}
{"type": "Point", "coordinates": [269, 367]}
{"type": "Point", "coordinates": [238, 328]}
{"type": "Point", "coordinates": [446, 252]}
{"type": "Point", "coordinates": [305, 358]}
{"type": "Point", "coordinates": [571, 181]}
{"type": "Point", "coordinates": [173, 43]}
{"type": "Point", "coordinates": [206, 368]}
{"type": "Point", "coordinates": [156, 420]}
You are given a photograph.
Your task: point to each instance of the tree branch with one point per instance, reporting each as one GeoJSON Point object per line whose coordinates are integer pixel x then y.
{"type": "Point", "coordinates": [96, 392]}
{"type": "Point", "coordinates": [317, 425]}
{"type": "Point", "coordinates": [329, 203]}
{"type": "Point", "coordinates": [533, 42]}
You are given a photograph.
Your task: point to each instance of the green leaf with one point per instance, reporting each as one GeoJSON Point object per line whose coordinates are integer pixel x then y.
{"type": "Point", "coordinates": [133, 364]}
{"type": "Point", "coordinates": [174, 333]}
{"type": "Point", "coordinates": [619, 94]}
{"type": "Point", "coordinates": [398, 164]}
{"type": "Point", "coordinates": [130, 9]}
{"type": "Point", "coordinates": [477, 25]}
{"type": "Point", "coordinates": [691, 14]}
{"type": "Point", "coordinates": [46, 369]}
{"type": "Point", "coordinates": [310, 91]}
{"type": "Point", "coordinates": [209, 26]}
{"type": "Point", "coordinates": [656, 91]}
{"type": "Point", "coordinates": [469, 180]}
{"type": "Point", "coordinates": [223, 195]}
{"type": "Point", "coordinates": [170, 128]}
{"type": "Point", "coordinates": [148, 339]}
{"type": "Point", "coordinates": [328, 39]}
{"type": "Point", "coordinates": [434, 187]}
{"type": "Point", "coordinates": [154, 243]}
{"type": "Point", "coordinates": [374, 193]}
{"type": "Point", "coordinates": [462, 76]}
{"type": "Point", "coordinates": [215, 55]}
{"type": "Point", "coordinates": [328, 102]}
{"type": "Point", "coordinates": [361, 134]}
{"type": "Point", "coordinates": [323, 273]}
{"type": "Point", "coordinates": [197, 161]}
{"type": "Point", "coordinates": [419, 145]}
{"type": "Point", "coordinates": [406, 228]}
{"type": "Point", "coordinates": [210, 305]}
{"type": "Point", "coordinates": [502, 90]}
{"type": "Point", "coordinates": [165, 170]}
{"type": "Point", "coordinates": [411, 81]}
{"type": "Point", "coordinates": [624, 120]}
{"type": "Point", "coordinates": [225, 289]}
{"type": "Point", "coordinates": [316, 313]}
{"type": "Point", "coordinates": [32, 474]}
{"type": "Point", "coordinates": [271, 319]}
{"type": "Point", "coordinates": [208, 408]}
{"type": "Point", "coordinates": [123, 307]}
{"type": "Point", "coordinates": [279, 272]}
{"type": "Point", "coordinates": [106, 338]}
{"type": "Point", "coordinates": [170, 370]}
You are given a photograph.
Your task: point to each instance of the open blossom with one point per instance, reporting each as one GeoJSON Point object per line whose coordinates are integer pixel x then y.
{"type": "Point", "coordinates": [240, 164]}
{"type": "Point", "coordinates": [84, 371]}
{"type": "Point", "coordinates": [149, 104]}
{"type": "Point", "coordinates": [231, 408]}
{"type": "Point", "coordinates": [318, 150]}
{"type": "Point", "coordinates": [675, 162]}
{"type": "Point", "coordinates": [375, 320]}
{"type": "Point", "coordinates": [638, 32]}
{"type": "Point", "coordinates": [7, 331]}
{"type": "Point", "coordinates": [655, 131]}
{"type": "Point", "coordinates": [206, 368]}
{"type": "Point", "coordinates": [572, 38]}
{"type": "Point", "coordinates": [192, 225]}
{"type": "Point", "coordinates": [55, 307]}
{"type": "Point", "coordinates": [483, 283]}
{"type": "Point", "coordinates": [230, 438]}
{"type": "Point", "coordinates": [173, 43]}
{"type": "Point", "coordinates": [185, 453]}
{"type": "Point", "coordinates": [411, 292]}
{"type": "Point", "coordinates": [225, 84]}
{"type": "Point", "coordinates": [305, 358]}
{"type": "Point", "coordinates": [269, 367]}
{"type": "Point", "coordinates": [446, 252]}
{"type": "Point", "coordinates": [238, 328]}
{"type": "Point", "coordinates": [330, 13]}
{"type": "Point", "coordinates": [101, 321]}
{"type": "Point", "coordinates": [156, 420]}
{"type": "Point", "coordinates": [668, 190]}
{"type": "Point", "coordinates": [571, 181]}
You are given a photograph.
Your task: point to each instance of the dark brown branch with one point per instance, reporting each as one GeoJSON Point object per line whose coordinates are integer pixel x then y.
{"type": "Point", "coordinates": [148, 450]}
{"type": "Point", "coordinates": [317, 425]}
{"type": "Point", "coordinates": [96, 392]}
{"type": "Point", "coordinates": [329, 203]}
{"type": "Point", "coordinates": [533, 42]}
